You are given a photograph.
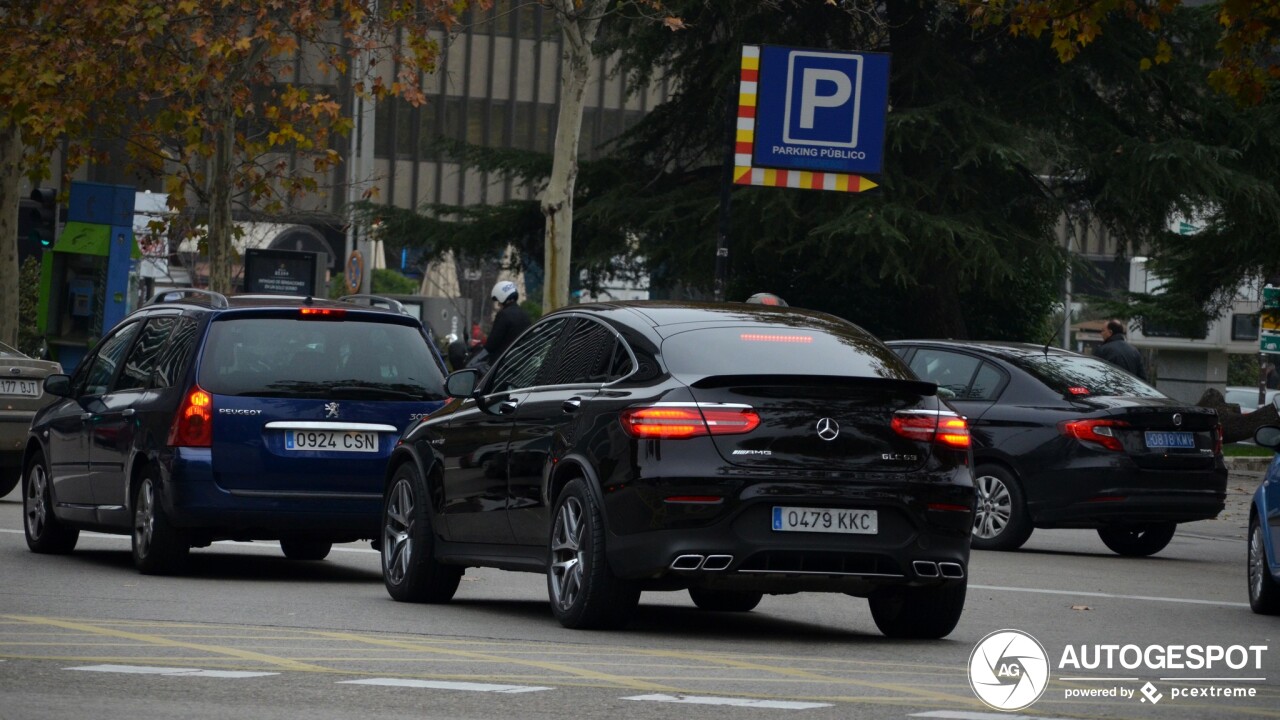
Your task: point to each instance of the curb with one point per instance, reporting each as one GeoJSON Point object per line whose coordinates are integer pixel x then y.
{"type": "Point", "coordinates": [1248, 464]}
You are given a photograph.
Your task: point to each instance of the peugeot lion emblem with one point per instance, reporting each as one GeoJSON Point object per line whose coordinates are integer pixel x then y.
{"type": "Point", "coordinates": [1177, 419]}
{"type": "Point", "coordinates": [828, 429]}
{"type": "Point", "coordinates": [331, 409]}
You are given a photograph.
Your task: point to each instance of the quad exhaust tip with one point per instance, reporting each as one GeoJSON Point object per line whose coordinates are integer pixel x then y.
{"type": "Point", "coordinates": [954, 571]}
{"type": "Point", "coordinates": [929, 569]}
{"type": "Point", "coordinates": [702, 562]}
{"type": "Point", "coordinates": [925, 568]}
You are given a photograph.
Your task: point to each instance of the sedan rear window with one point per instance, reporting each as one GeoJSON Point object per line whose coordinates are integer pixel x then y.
{"type": "Point", "coordinates": [1081, 376]}
{"type": "Point", "coordinates": [291, 357]}
{"type": "Point", "coordinates": [781, 350]}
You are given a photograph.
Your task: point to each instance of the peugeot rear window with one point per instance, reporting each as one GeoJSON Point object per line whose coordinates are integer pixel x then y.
{"type": "Point", "coordinates": [781, 350]}
{"type": "Point", "coordinates": [292, 357]}
{"type": "Point", "coordinates": [1080, 376]}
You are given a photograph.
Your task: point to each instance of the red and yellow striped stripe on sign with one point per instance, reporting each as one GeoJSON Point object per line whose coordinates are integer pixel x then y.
{"type": "Point", "coordinates": [745, 174]}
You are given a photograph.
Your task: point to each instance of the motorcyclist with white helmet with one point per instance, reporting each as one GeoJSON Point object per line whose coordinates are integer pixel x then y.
{"type": "Point", "coordinates": [510, 321]}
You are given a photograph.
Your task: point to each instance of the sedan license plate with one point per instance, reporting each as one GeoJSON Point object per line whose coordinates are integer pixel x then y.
{"type": "Point", "coordinates": [825, 520]}
{"type": "Point", "coordinates": [331, 440]}
{"type": "Point", "coordinates": [1171, 440]}
{"type": "Point", "coordinates": [24, 388]}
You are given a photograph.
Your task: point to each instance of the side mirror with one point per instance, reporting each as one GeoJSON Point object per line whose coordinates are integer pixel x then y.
{"type": "Point", "coordinates": [57, 384]}
{"type": "Point", "coordinates": [462, 384]}
{"type": "Point", "coordinates": [1268, 436]}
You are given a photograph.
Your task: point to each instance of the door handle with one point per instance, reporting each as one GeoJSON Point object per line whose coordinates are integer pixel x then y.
{"type": "Point", "coordinates": [571, 405]}
{"type": "Point", "coordinates": [506, 407]}
{"type": "Point", "coordinates": [128, 412]}
{"type": "Point", "coordinates": [86, 416]}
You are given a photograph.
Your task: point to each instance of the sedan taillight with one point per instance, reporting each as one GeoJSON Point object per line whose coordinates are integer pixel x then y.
{"type": "Point", "coordinates": [1097, 431]}
{"type": "Point", "coordinates": [678, 421]}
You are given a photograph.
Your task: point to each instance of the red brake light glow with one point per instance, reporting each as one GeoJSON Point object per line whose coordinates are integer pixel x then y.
{"type": "Point", "coordinates": [193, 424]}
{"type": "Point", "coordinates": [676, 422]}
{"type": "Point", "coordinates": [1097, 431]}
{"type": "Point", "coordinates": [323, 313]}
{"type": "Point", "coordinates": [944, 428]}
{"type": "Point", "coordinates": [763, 337]}
{"type": "Point", "coordinates": [1077, 390]}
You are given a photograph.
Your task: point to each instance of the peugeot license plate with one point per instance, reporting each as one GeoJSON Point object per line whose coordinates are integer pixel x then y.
{"type": "Point", "coordinates": [25, 388]}
{"type": "Point", "coordinates": [331, 440]}
{"type": "Point", "coordinates": [825, 520]}
{"type": "Point", "coordinates": [1170, 439]}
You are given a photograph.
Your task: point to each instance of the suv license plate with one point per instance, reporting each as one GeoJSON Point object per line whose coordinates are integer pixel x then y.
{"type": "Point", "coordinates": [825, 520]}
{"type": "Point", "coordinates": [331, 441]}
{"type": "Point", "coordinates": [1171, 440]}
{"type": "Point", "coordinates": [25, 388]}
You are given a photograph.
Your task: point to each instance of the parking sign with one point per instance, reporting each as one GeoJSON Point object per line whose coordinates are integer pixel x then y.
{"type": "Point", "coordinates": [821, 111]}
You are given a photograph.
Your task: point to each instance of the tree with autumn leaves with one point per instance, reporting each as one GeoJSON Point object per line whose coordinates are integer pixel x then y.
{"type": "Point", "coordinates": [232, 102]}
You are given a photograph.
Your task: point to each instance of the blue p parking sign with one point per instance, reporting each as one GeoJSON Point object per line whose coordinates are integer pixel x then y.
{"type": "Point", "coordinates": [821, 111]}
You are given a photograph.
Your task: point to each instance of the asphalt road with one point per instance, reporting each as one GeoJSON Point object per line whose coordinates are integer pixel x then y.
{"type": "Point", "coordinates": [248, 634]}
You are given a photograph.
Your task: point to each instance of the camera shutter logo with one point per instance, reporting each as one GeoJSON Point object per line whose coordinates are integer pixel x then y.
{"type": "Point", "coordinates": [1008, 670]}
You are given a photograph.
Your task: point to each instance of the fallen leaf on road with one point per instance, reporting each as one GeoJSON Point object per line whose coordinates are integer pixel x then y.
{"type": "Point", "coordinates": [1081, 607]}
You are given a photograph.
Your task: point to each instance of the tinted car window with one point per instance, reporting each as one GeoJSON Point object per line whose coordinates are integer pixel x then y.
{"type": "Point", "coordinates": [98, 378]}
{"type": "Point", "coordinates": [522, 363]}
{"type": "Point", "coordinates": [136, 374]}
{"type": "Point", "coordinates": [760, 349]}
{"type": "Point", "coordinates": [583, 355]}
{"type": "Point", "coordinates": [986, 384]}
{"type": "Point", "coordinates": [173, 357]}
{"type": "Point", "coordinates": [949, 370]}
{"type": "Point", "coordinates": [1067, 374]}
{"type": "Point", "coordinates": [291, 357]}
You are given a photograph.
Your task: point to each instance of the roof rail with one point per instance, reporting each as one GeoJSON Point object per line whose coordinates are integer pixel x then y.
{"type": "Point", "coordinates": [391, 304]}
{"type": "Point", "coordinates": [216, 299]}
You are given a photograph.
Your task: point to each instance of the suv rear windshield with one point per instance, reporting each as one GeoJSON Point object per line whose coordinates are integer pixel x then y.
{"type": "Point", "coordinates": [291, 357]}
{"type": "Point", "coordinates": [1068, 374]}
{"type": "Point", "coordinates": [781, 350]}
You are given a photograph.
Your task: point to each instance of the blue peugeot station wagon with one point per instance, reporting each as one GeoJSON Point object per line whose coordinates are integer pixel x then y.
{"type": "Point", "coordinates": [203, 418]}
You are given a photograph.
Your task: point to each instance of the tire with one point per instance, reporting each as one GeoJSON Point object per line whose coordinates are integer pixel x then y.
{"type": "Point", "coordinates": [46, 534]}
{"type": "Point", "coordinates": [310, 550]}
{"type": "Point", "coordinates": [1138, 540]}
{"type": "Point", "coordinates": [158, 547]}
{"type": "Point", "coordinates": [1000, 519]}
{"type": "Point", "coordinates": [9, 478]}
{"type": "Point", "coordinates": [924, 613]}
{"type": "Point", "coordinates": [725, 600]}
{"type": "Point", "coordinates": [1264, 591]}
{"type": "Point", "coordinates": [584, 592]}
{"type": "Point", "coordinates": [409, 568]}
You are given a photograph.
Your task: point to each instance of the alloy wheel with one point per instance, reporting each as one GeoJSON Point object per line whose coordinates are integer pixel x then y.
{"type": "Point", "coordinates": [397, 534]}
{"type": "Point", "coordinates": [1257, 563]}
{"type": "Point", "coordinates": [994, 507]}
{"type": "Point", "coordinates": [144, 518]}
{"type": "Point", "coordinates": [567, 556]}
{"type": "Point", "coordinates": [37, 514]}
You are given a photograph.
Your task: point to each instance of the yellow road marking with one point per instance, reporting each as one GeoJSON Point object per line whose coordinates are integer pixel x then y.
{"type": "Point", "coordinates": [163, 641]}
{"type": "Point", "coordinates": [615, 680]}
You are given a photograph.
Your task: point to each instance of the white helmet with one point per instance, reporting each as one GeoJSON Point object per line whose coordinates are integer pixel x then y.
{"type": "Point", "coordinates": [503, 291]}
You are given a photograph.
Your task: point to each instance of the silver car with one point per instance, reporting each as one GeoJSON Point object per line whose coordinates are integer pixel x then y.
{"type": "Point", "coordinates": [21, 394]}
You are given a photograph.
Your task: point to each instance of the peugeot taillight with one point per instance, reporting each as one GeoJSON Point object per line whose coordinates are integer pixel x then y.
{"type": "Point", "coordinates": [679, 421]}
{"type": "Point", "coordinates": [942, 427]}
{"type": "Point", "coordinates": [1095, 430]}
{"type": "Point", "coordinates": [193, 425]}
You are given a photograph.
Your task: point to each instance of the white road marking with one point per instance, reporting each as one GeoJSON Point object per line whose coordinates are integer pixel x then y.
{"type": "Point", "coordinates": [445, 685]}
{"type": "Point", "coordinates": [965, 715]}
{"type": "Point", "coordinates": [263, 545]}
{"type": "Point", "coordinates": [1113, 596]}
{"type": "Point", "coordinates": [735, 702]}
{"type": "Point", "coordinates": [184, 672]}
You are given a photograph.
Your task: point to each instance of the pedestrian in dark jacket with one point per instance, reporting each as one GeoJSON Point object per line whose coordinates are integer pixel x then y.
{"type": "Point", "coordinates": [510, 321]}
{"type": "Point", "coordinates": [1116, 350]}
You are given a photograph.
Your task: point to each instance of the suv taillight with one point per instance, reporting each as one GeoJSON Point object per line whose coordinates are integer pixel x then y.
{"type": "Point", "coordinates": [193, 425]}
{"type": "Point", "coordinates": [937, 426]}
{"type": "Point", "coordinates": [1101, 432]}
{"type": "Point", "coordinates": [686, 420]}
{"type": "Point", "coordinates": [1217, 439]}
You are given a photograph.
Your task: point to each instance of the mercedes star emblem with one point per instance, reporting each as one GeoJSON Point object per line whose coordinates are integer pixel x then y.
{"type": "Point", "coordinates": [828, 429]}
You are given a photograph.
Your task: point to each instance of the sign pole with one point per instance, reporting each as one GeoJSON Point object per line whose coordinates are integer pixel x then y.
{"type": "Point", "coordinates": [726, 194]}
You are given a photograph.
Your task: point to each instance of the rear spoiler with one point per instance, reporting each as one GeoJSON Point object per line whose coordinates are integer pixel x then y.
{"type": "Point", "coordinates": [915, 387]}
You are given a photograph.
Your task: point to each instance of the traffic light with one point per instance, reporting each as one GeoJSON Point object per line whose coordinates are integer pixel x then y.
{"type": "Point", "coordinates": [43, 217]}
